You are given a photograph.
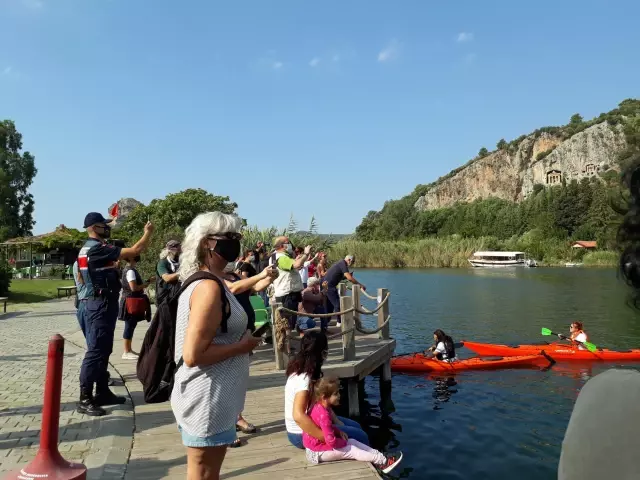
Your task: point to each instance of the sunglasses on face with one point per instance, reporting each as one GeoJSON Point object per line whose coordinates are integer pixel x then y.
{"type": "Point", "coordinates": [226, 236]}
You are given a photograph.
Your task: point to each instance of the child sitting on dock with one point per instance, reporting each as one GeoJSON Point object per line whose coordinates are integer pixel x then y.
{"type": "Point", "coordinates": [336, 445]}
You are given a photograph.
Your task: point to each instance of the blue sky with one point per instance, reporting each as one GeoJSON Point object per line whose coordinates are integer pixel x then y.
{"type": "Point", "coordinates": [312, 108]}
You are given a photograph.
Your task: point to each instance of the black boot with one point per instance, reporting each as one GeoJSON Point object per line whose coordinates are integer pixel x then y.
{"type": "Point", "coordinates": [87, 405]}
{"type": "Point", "coordinates": [104, 396]}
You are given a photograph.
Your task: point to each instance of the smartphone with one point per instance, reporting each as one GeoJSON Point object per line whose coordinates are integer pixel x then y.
{"type": "Point", "coordinates": [262, 329]}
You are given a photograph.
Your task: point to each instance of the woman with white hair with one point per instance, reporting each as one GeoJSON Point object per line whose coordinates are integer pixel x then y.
{"type": "Point", "coordinates": [212, 346]}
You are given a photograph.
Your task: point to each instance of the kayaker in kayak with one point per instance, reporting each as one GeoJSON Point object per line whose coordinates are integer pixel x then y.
{"type": "Point", "coordinates": [577, 336]}
{"type": "Point", "coordinates": [443, 348]}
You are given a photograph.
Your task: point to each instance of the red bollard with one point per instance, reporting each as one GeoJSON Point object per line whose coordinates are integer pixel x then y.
{"type": "Point", "coordinates": [48, 463]}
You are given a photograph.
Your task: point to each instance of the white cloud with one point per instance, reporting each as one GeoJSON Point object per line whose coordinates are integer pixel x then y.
{"type": "Point", "coordinates": [277, 65]}
{"type": "Point", "coordinates": [464, 37]}
{"type": "Point", "coordinates": [315, 61]}
{"type": "Point", "coordinates": [7, 70]}
{"type": "Point", "coordinates": [390, 52]}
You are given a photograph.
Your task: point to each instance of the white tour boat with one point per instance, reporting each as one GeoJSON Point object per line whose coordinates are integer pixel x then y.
{"type": "Point", "coordinates": [501, 259]}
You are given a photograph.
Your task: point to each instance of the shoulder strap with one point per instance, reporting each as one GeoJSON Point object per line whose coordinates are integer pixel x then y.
{"type": "Point", "coordinates": [202, 275]}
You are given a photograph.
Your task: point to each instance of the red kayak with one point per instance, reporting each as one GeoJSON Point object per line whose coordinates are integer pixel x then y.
{"type": "Point", "coordinates": [419, 363]}
{"type": "Point", "coordinates": [558, 351]}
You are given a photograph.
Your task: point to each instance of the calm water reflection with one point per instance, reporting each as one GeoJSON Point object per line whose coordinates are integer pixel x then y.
{"type": "Point", "coordinates": [500, 424]}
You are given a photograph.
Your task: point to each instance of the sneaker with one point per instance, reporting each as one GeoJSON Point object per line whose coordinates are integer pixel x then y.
{"type": "Point", "coordinates": [338, 324]}
{"type": "Point", "coordinates": [130, 356]}
{"type": "Point", "coordinates": [392, 462]}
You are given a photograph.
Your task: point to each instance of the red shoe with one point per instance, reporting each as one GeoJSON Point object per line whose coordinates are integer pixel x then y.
{"type": "Point", "coordinates": [392, 462]}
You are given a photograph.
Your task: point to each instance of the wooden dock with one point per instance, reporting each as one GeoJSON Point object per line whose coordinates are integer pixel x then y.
{"type": "Point", "coordinates": [158, 452]}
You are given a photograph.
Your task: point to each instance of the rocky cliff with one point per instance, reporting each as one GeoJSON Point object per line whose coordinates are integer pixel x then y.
{"type": "Point", "coordinates": [543, 158]}
{"type": "Point", "coordinates": [125, 206]}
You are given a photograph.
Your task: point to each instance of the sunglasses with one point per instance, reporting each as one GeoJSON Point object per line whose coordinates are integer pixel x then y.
{"type": "Point", "coordinates": [226, 236]}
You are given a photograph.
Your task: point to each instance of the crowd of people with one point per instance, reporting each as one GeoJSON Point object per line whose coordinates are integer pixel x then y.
{"type": "Point", "coordinates": [212, 282]}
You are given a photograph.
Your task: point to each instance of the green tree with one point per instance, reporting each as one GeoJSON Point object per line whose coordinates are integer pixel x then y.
{"type": "Point", "coordinates": [502, 144]}
{"type": "Point", "coordinates": [17, 170]}
{"type": "Point", "coordinates": [170, 216]}
{"type": "Point", "coordinates": [483, 152]}
{"type": "Point", "coordinates": [576, 119]}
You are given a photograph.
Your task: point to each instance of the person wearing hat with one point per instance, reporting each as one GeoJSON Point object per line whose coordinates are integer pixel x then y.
{"type": "Point", "coordinates": [167, 281]}
{"type": "Point", "coordinates": [98, 265]}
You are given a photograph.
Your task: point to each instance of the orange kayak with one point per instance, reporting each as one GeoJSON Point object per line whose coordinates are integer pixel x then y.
{"type": "Point", "coordinates": [419, 363]}
{"type": "Point", "coordinates": [559, 351]}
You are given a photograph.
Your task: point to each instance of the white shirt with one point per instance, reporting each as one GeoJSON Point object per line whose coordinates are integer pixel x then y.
{"type": "Point", "coordinates": [304, 272]}
{"type": "Point", "coordinates": [131, 276]}
{"type": "Point", "coordinates": [295, 384]}
{"type": "Point", "coordinates": [581, 337]}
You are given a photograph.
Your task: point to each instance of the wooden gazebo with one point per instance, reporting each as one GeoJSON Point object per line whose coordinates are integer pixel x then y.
{"type": "Point", "coordinates": [59, 247]}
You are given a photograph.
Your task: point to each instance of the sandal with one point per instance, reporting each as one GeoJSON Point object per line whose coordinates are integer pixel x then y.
{"type": "Point", "coordinates": [250, 428]}
{"type": "Point", "coordinates": [236, 443]}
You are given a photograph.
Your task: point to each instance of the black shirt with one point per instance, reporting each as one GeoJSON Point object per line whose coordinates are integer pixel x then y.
{"type": "Point", "coordinates": [102, 262]}
{"type": "Point", "coordinates": [335, 274]}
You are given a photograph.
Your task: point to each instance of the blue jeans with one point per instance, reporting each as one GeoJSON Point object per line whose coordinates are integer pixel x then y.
{"type": "Point", "coordinates": [333, 301]}
{"type": "Point", "coordinates": [305, 323]}
{"type": "Point", "coordinates": [81, 315]}
{"type": "Point", "coordinates": [129, 328]}
{"type": "Point", "coordinates": [324, 322]}
{"type": "Point", "coordinates": [350, 427]}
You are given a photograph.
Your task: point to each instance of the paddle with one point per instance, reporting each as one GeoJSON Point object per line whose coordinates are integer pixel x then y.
{"type": "Point", "coordinates": [588, 345]}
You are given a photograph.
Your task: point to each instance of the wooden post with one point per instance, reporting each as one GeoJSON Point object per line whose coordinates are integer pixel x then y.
{"type": "Point", "coordinates": [355, 296]}
{"type": "Point", "coordinates": [279, 355]}
{"type": "Point", "coordinates": [30, 261]}
{"type": "Point", "coordinates": [383, 313]}
{"type": "Point", "coordinates": [348, 339]}
{"type": "Point", "coordinates": [353, 396]}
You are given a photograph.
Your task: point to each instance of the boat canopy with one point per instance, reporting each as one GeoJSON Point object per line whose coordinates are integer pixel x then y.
{"type": "Point", "coordinates": [497, 254]}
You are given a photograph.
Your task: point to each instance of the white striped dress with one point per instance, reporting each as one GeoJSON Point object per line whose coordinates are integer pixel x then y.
{"type": "Point", "coordinates": [207, 400]}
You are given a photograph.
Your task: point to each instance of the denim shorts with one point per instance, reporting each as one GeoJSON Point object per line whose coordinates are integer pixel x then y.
{"type": "Point", "coordinates": [218, 440]}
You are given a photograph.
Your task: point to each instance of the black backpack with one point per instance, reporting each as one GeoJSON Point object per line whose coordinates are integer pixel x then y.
{"type": "Point", "coordinates": [156, 366]}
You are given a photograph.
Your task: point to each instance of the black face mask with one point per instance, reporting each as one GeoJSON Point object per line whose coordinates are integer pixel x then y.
{"type": "Point", "coordinates": [228, 249]}
{"type": "Point", "coordinates": [106, 232]}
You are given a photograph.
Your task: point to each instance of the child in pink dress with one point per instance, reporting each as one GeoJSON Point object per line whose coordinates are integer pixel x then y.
{"type": "Point", "coordinates": [336, 444]}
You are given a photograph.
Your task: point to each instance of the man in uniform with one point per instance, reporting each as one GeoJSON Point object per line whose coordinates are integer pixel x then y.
{"type": "Point", "coordinates": [98, 262]}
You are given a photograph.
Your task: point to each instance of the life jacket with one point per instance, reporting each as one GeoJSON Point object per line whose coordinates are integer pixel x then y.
{"type": "Point", "coordinates": [449, 349]}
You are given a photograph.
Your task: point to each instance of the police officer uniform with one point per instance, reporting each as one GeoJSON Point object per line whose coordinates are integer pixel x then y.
{"type": "Point", "coordinates": [97, 263]}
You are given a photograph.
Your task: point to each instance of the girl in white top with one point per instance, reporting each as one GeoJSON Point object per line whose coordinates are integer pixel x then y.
{"type": "Point", "coordinates": [302, 372]}
{"type": "Point", "coordinates": [443, 348]}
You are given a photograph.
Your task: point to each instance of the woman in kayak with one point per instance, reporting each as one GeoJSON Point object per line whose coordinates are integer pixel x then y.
{"type": "Point", "coordinates": [443, 348]}
{"type": "Point", "coordinates": [577, 336]}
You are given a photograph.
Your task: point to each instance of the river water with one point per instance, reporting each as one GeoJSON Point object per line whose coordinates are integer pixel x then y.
{"type": "Point", "coordinates": [496, 424]}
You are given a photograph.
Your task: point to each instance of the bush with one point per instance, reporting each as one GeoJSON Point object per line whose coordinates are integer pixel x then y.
{"type": "Point", "coordinates": [601, 259]}
{"type": "Point", "coordinates": [5, 278]}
